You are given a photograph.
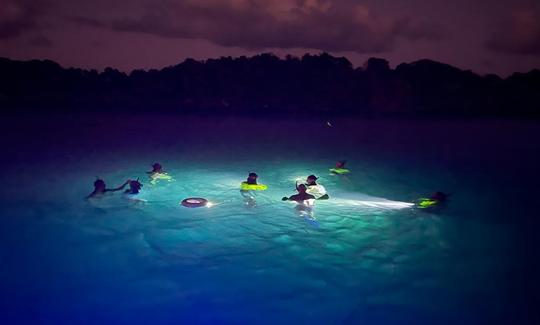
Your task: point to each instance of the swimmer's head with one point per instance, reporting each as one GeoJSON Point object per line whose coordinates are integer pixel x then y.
{"type": "Point", "coordinates": [438, 196]}
{"type": "Point", "coordinates": [156, 167]}
{"type": "Point", "coordinates": [252, 178]}
{"type": "Point", "coordinates": [99, 184]}
{"type": "Point", "coordinates": [311, 180]}
{"type": "Point", "coordinates": [135, 185]}
{"type": "Point", "coordinates": [301, 188]}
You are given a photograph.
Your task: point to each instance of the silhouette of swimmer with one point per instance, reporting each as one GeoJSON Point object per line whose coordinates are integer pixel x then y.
{"type": "Point", "coordinates": [301, 196]}
{"type": "Point", "coordinates": [249, 197]}
{"type": "Point", "coordinates": [250, 184]}
{"type": "Point", "coordinates": [100, 188]}
{"type": "Point", "coordinates": [156, 169]}
{"type": "Point", "coordinates": [252, 179]}
{"type": "Point", "coordinates": [316, 189]}
{"type": "Point", "coordinates": [340, 164]}
{"type": "Point", "coordinates": [157, 173]}
{"type": "Point", "coordinates": [134, 187]}
{"type": "Point", "coordinates": [439, 197]}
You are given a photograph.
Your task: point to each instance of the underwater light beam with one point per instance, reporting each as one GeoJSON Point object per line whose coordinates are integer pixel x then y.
{"type": "Point", "coordinates": [383, 204]}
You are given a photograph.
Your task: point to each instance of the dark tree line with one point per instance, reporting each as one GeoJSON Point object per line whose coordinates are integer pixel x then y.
{"type": "Point", "coordinates": [267, 85]}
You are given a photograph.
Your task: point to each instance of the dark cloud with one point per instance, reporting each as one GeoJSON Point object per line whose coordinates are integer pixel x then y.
{"type": "Point", "coordinates": [41, 41]}
{"type": "Point", "coordinates": [517, 34]}
{"type": "Point", "coordinates": [86, 21]}
{"type": "Point", "coordinates": [316, 24]}
{"type": "Point", "coordinates": [422, 30]}
{"type": "Point", "coordinates": [18, 16]}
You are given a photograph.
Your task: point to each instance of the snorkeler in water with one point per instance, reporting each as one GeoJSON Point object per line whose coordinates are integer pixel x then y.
{"type": "Point", "coordinates": [250, 184]}
{"type": "Point", "coordinates": [100, 188]}
{"type": "Point", "coordinates": [315, 189]}
{"type": "Point", "coordinates": [134, 187]}
{"type": "Point", "coordinates": [301, 196]}
{"type": "Point", "coordinates": [157, 173]}
{"type": "Point", "coordinates": [249, 187]}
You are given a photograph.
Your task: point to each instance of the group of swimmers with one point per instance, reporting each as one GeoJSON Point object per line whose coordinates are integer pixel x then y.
{"type": "Point", "coordinates": [100, 188]}
{"type": "Point", "coordinates": [308, 191]}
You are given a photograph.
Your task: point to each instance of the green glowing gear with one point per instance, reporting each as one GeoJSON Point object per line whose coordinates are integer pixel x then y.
{"type": "Point", "coordinates": [160, 176]}
{"type": "Point", "coordinates": [340, 171]}
{"type": "Point", "coordinates": [252, 187]}
{"type": "Point", "coordinates": [424, 203]}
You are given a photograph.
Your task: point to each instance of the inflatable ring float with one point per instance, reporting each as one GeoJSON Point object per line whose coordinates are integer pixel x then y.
{"type": "Point", "coordinates": [340, 171]}
{"type": "Point", "coordinates": [252, 187]}
{"type": "Point", "coordinates": [194, 202]}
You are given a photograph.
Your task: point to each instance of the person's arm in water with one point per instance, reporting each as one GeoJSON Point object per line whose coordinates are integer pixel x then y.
{"type": "Point", "coordinates": [298, 198]}
{"type": "Point", "coordinates": [324, 197]}
{"type": "Point", "coordinates": [121, 187]}
{"type": "Point", "coordinates": [291, 198]}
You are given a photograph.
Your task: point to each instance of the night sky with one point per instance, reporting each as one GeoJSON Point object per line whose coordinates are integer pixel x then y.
{"type": "Point", "coordinates": [481, 35]}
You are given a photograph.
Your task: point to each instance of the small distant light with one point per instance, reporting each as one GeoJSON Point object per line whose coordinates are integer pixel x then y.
{"type": "Point", "coordinates": [329, 124]}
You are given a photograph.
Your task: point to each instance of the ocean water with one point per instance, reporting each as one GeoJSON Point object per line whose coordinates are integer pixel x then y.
{"type": "Point", "coordinates": [363, 257]}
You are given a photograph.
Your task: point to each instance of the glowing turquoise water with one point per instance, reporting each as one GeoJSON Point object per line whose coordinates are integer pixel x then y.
{"type": "Point", "coordinates": [67, 260]}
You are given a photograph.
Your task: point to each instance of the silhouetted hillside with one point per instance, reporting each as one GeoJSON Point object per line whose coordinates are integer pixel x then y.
{"type": "Point", "coordinates": [267, 85]}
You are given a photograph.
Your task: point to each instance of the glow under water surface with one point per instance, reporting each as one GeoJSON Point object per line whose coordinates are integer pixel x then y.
{"type": "Point", "coordinates": [363, 257]}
